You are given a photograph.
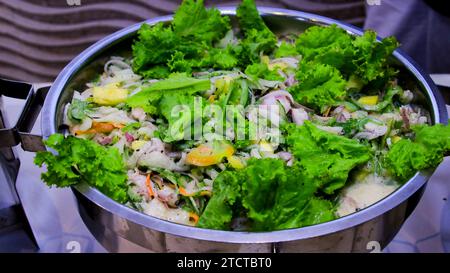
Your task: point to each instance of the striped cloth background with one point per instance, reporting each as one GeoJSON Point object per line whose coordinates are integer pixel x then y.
{"type": "Point", "coordinates": [39, 37]}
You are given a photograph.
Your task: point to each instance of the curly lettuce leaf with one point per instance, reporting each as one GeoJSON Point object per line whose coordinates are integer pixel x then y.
{"type": "Point", "coordinates": [222, 58]}
{"type": "Point", "coordinates": [319, 86]}
{"type": "Point", "coordinates": [281, 197]}
{"type": "Point", "coordinates": [193, 21]}
{"type": "Point", "coordinates": [84, 160]}
{"type": "Point", "coordinates": [361, 57]}
{"type": "Point", "coordinates": [261, 180]}
{"type": "Point", "coordinates": [218, 214]}
{"type": "Point", "coordinates": [156, 72]}
{"type": "Point", "coordinates": [256, 42]}
{"type": "Point", "coordinates": [327, 45]}
{"type": "Point", "coordinates": [323, 156]}
{"type": "Point", "coordinates": [260, 70]}
{"type": "Point", "coordinates": [270, 194]}
{"type": "Point", "coordinates": [217, 58]}
{"type": "Point", "coordinates": [154, 46]}
{"type": "Point", "coordinates": [286, 49]}
{"type": "Point", "coordinates": [182, 46]}
{"type": "Point", "coordinates": [258, 38]}
{"type": "Point", "coordinates": [318, 210]}
{"type": "Point", "coordinates": [371, 57]}
{"type": "Point", "coordinates": [178, 62]}
{"type": "Point", "coordinates": [249, 17]}
{"type": "Point", "coordinates": [427, 150]}
{"type": "Point", "coordinates": [146, 100]}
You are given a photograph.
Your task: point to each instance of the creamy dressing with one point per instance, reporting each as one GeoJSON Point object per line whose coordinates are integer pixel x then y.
{"type": "Point", "coordinates": [364, 193]}
{"type": "Point", "coordinates": [158, 209]}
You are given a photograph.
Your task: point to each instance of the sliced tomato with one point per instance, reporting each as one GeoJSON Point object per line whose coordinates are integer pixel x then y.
{"type": "Point", "coordinates": [209, 153]}
{"type": "Point", "coordinates": [100, 127]}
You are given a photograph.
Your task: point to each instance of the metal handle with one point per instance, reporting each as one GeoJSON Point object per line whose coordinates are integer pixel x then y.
{"type": "Point", "coordinates": [34, 96]}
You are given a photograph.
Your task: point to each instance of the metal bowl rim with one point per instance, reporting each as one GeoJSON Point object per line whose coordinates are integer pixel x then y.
{"type": "Point", "coordinates": [375, 210]}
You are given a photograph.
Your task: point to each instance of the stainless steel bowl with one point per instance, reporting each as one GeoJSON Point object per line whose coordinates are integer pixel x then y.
{"type": "Point", "coordinates": [119, 228]}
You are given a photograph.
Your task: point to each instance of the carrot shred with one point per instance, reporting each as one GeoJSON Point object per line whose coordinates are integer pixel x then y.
{"type": "Point", "coordinates": [100, 127]}
{"type": "Point", "coordinates": [183, 191]}
{"type": "Point", "coordinates": [149, 186]}
{"type": "Point", "coordinates": [194, 217]}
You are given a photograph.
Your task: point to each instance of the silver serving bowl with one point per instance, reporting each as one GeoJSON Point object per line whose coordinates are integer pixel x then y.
{"type": "Point", "coordinates": [119, 228]}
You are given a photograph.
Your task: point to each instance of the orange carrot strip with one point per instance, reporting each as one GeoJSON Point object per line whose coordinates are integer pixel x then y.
{"type": "Point", "coordinates": [194, 217]}
{"type": "Point", "coordinates": [149, 186]}
{"type": "Point", "coordinates": [183, 191]}
{"type": "Point", "coordinates": [100, 127]}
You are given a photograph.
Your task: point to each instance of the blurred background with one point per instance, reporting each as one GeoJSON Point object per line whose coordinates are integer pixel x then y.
{"type": "Point", "coordinates": [39, 37]}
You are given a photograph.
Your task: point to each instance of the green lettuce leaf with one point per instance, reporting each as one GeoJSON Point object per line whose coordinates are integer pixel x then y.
{"type": "Point", "coordinates": [236, 94]}
{"type": "Point", "coordinates": [270, 194]}
{"type": "Point", "coordinates": [280, 197]}
{"type": "Point", "coordinates": [157, 37]}
{"type": "Point", "coordinates": [178, 62]}
{"type": "Point", "coordinates": [286, 49]}
{"type": "Point", "coordinates": [327, 45]}
{"type": "Point", "coordinates": [221, 58]}
{"type": "Point", "coordinates": [360, 57]}
{"type": "Point", "coordinates": [258, 38]}
{"type": "Point", "coordinates": [193, 21]}
{"type": "Point", "coordinates": [149, 97]}
{"type": "Point", "coordinates": [249, 17]}
{"type": "Point", "coordinates": [156, 72]}
{"type": "Point", "coordinates": [154, 46]}
{"type": "Point", "coordinates": [80, 160]}
{"type": "Point", "coordinates": [323, 156]}
{"type": "Point", "coordinates": [218, 214]}
{"type": "Point", "coordinates": [319, 86]}
{"type": "Point", "coordinates": [427, 150]}
{"type": "Point", "coordinates": [386, 101]}
{"type": "Point", "coordinates": [275, 196]}
{"type": "Point", "coordinates": [180, 110]}
{"type": "Point", "coordinates": [318, 211]}
{"type": "Point", "coordinates": [260, 183]}
{"type": "Point", "coordinates": [371, 57]}
{"type": "Point", "coordinates": [78, 110]}
{"type": "Point", "coordinates": [260, 70]}
{"type": "Point", "coordinates": [182, 46]}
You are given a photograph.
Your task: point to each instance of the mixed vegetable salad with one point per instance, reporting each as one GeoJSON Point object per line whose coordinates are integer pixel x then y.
{"type": "Point", "coordinates": [238, 129]}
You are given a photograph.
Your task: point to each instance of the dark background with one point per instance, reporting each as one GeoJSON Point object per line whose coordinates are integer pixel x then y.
{"type": "Point", "coordinates": [39, 37]}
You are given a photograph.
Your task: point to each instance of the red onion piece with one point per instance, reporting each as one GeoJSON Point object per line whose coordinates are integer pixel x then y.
{"type": "Point", "coordinates": [129, 137]}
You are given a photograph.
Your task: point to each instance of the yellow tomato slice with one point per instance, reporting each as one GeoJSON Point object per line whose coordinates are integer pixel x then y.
{"type": "Point", "coordinates": [209, 154]}
{"type": "Point", "coordinates": [100, 127]}
{"type": "Point", "coordinates": [368, 100]}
